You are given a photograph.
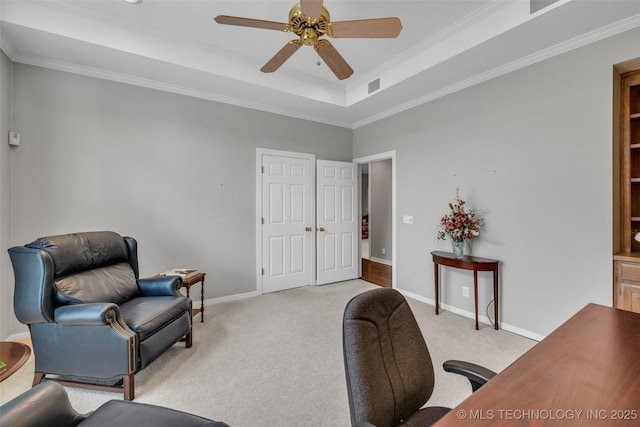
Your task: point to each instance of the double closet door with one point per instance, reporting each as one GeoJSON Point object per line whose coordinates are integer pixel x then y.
{"type": "Point", "coordinates": [308, 221]}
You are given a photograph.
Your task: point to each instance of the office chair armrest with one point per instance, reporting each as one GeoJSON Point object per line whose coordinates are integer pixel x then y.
{"type": "Point", "coordinates": [476, 374]}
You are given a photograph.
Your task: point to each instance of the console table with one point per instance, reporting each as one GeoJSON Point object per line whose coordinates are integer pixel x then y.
{"type": "Point", "coordinates": [474, 264]}
{"type": "Point", "coordinates": [187, 282]}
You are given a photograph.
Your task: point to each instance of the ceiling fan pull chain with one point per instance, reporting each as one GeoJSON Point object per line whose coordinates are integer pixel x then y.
{"type": "Point", "coordinates": [318, 62]}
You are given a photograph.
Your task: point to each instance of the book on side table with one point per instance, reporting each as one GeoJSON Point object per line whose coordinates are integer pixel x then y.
{"type": "Point", "coordinates": [185, 273]}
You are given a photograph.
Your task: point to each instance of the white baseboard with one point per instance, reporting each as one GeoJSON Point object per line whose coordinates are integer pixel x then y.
{"type": "Point", "coordinates": [18, 336]}
{"type": "Point", "coordinates": [380, 260]}
{"type": "Point", "coordinates": [212, 301]}
{"type": "Point", "coordinates": [470, 315]}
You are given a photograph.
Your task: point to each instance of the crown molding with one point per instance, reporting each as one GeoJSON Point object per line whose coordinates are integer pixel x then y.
{"type": "Point", "coordinates": [610, 30]}
{"type": "Point", "coordinates": [7, 48]}
{"type": "Point", "coordinates": [564, 47]}
{"type": "Point", "coordinates": [166, 87]}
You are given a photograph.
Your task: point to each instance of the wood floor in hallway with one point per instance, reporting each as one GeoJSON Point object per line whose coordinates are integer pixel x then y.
{"type": "Point", "coordinates": [376, 272]}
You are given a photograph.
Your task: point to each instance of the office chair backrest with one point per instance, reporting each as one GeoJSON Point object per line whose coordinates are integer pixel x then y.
{"type": "Point", "coordinates": [388, 367]}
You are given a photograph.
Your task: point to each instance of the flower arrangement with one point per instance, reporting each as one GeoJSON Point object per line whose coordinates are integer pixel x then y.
{"type": "Point", "coordinates": [459, 225]}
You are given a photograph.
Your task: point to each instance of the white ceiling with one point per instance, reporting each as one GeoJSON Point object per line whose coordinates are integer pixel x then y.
{"type": "Point", "coordinates": [176, 46]}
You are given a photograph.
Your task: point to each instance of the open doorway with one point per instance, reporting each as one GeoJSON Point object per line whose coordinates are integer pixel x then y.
{"type": "Point", "coordinates": [377, 213]}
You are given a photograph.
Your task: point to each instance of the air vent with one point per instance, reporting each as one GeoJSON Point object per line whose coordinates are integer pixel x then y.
{"type": "Point", "coordinates": [374, 85]}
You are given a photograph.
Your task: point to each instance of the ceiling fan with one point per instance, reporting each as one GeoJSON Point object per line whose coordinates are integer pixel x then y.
{"type": "Point", "coordinates": [310, 20]}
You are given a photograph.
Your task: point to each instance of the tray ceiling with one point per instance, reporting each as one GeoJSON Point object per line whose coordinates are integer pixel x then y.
{"type": "Point", "coordinates": [176, 46]}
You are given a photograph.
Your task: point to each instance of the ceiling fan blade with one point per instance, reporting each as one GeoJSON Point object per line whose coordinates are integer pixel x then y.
{"type": "Point", "coordinates": [333, 59]}
{"type": "Point", "coordinates": [366, 28]}
{"type": "Point", "coordinates": [311, 8]}
{"type": "Point", "coordinates": [248, 22]}
{"type": "Point", "coordinates": [280, 57]}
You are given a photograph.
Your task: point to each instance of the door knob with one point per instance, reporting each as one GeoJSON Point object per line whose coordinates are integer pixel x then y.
{"type": "Point", "coordinates": [307, 229]}
{"type": "Point", "coordinates": [321, 229]}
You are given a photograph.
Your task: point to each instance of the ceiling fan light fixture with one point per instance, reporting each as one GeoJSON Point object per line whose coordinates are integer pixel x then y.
{"type": "Point", "coordinates": [308, 37]}
{"type": "Point", "coordinates": [133, 1]}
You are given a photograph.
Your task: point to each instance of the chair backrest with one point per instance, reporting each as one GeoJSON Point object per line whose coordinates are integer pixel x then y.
{"type": "Point", "coordinates": [387, 363]}
{"type": "Point", "coordinates": [77, 268]}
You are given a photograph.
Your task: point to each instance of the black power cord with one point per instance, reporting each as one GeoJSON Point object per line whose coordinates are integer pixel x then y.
{"type": "Point", "coordinates": [492, 321]}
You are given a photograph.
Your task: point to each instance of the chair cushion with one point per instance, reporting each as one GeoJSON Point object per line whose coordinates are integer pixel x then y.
{"type": "Point", "coordinates": [147, 315]}
{"type": "Point", "coordinates": [124, 413]}
{"type": "Point", "coordinates": [115, 283]}
{"type": "Point", "coordinates": [76, 252]}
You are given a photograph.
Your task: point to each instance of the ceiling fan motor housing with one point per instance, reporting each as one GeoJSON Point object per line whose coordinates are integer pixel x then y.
{"type": "Point", "coordinates": [307, 28]}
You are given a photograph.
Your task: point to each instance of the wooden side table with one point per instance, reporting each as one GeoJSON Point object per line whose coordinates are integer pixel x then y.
{"type": "Point", "coordinates": [188, 282]}
{"type": "Point", "coordinates": [14, 355]}
{"type": "Point", "coordinates": [468, 263]}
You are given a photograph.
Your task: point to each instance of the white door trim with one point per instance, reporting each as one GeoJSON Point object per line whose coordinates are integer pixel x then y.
{"type": "Point", "coordinates": [258, 220]}
{"type": "Point", "coordinates": [373, 158]}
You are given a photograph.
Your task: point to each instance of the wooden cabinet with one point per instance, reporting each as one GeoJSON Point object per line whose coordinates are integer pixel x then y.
{"type": "Point", "coordinates": [630, 161]}
{"type": "Point", "coordinates": [626, 292]}
{"type": "Point", "coordinates": [627, 282]}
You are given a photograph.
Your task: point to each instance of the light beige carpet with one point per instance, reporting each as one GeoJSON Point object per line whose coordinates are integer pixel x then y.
{"type": "Point", "coordinates": [276, 360]}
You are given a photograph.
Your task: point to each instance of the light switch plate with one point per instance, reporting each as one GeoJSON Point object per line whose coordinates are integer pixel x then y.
{"type": "Point", "coordinates": [407, 219]}
{"type": "Point", "coordinates": [14, 138]}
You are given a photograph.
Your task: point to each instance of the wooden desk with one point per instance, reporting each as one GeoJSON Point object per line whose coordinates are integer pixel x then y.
{"type": "Point", "coordinates": [468, 263]}
{"type": "Point", "coordinates": [585, 373]}
{"type": "Point", "coordinates": [188, 282]}
{"type": "Point", "coordinates": [14, 355]}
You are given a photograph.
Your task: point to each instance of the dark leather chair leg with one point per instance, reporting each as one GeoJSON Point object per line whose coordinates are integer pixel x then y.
{"type": "Point", "coordinates": [189, 338]}
{"type": "Point", "coordinates": [128, 385]}
{"type": "Point", "coordinates": [37, 379]}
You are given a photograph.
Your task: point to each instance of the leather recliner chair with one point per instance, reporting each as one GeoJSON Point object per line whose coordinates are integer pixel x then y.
{"type": "Point", "coordinates": [93, 322]}
{"type": "Point", "coordinates": [48, 405]}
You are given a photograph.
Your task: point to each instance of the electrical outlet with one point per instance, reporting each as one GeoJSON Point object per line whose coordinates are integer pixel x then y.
{"type": "Point", "coordinates": [384, 251]}
{"type": "Point", "coordinates": [465, 291]}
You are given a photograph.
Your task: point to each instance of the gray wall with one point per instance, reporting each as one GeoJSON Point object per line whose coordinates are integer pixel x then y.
{"type": "Point", "coordinates": [533, 151]}
{"type": "Point", "coordinates": [6, 274]}
{"type": "Point", "coordinates": [380, 230]}
{"type": "Point", "coordinates": [177, 173]}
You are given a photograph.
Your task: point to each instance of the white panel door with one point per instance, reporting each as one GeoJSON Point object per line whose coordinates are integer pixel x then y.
{"type": "Point", "coordinates": [337, 221]}
{"type": "Point", "coordinates": [287, 188]}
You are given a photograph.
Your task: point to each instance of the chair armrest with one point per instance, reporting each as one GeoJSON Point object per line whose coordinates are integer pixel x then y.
{"type": "Point", "coordinates": [94, 314]}
{"type": "Point", "coordinates": [158, 286]}
{"type": "Point", "coordinates": [476, 374]}
{"type": "Point", "coordinates": [45, 404]}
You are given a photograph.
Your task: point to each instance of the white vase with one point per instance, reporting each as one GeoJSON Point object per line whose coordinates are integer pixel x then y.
{"type": "Point", "coordinates": [458, 248]}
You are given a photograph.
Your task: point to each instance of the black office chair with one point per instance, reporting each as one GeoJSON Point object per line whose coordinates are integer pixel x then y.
{"type": "Point", "coordinates": [387, 363]}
